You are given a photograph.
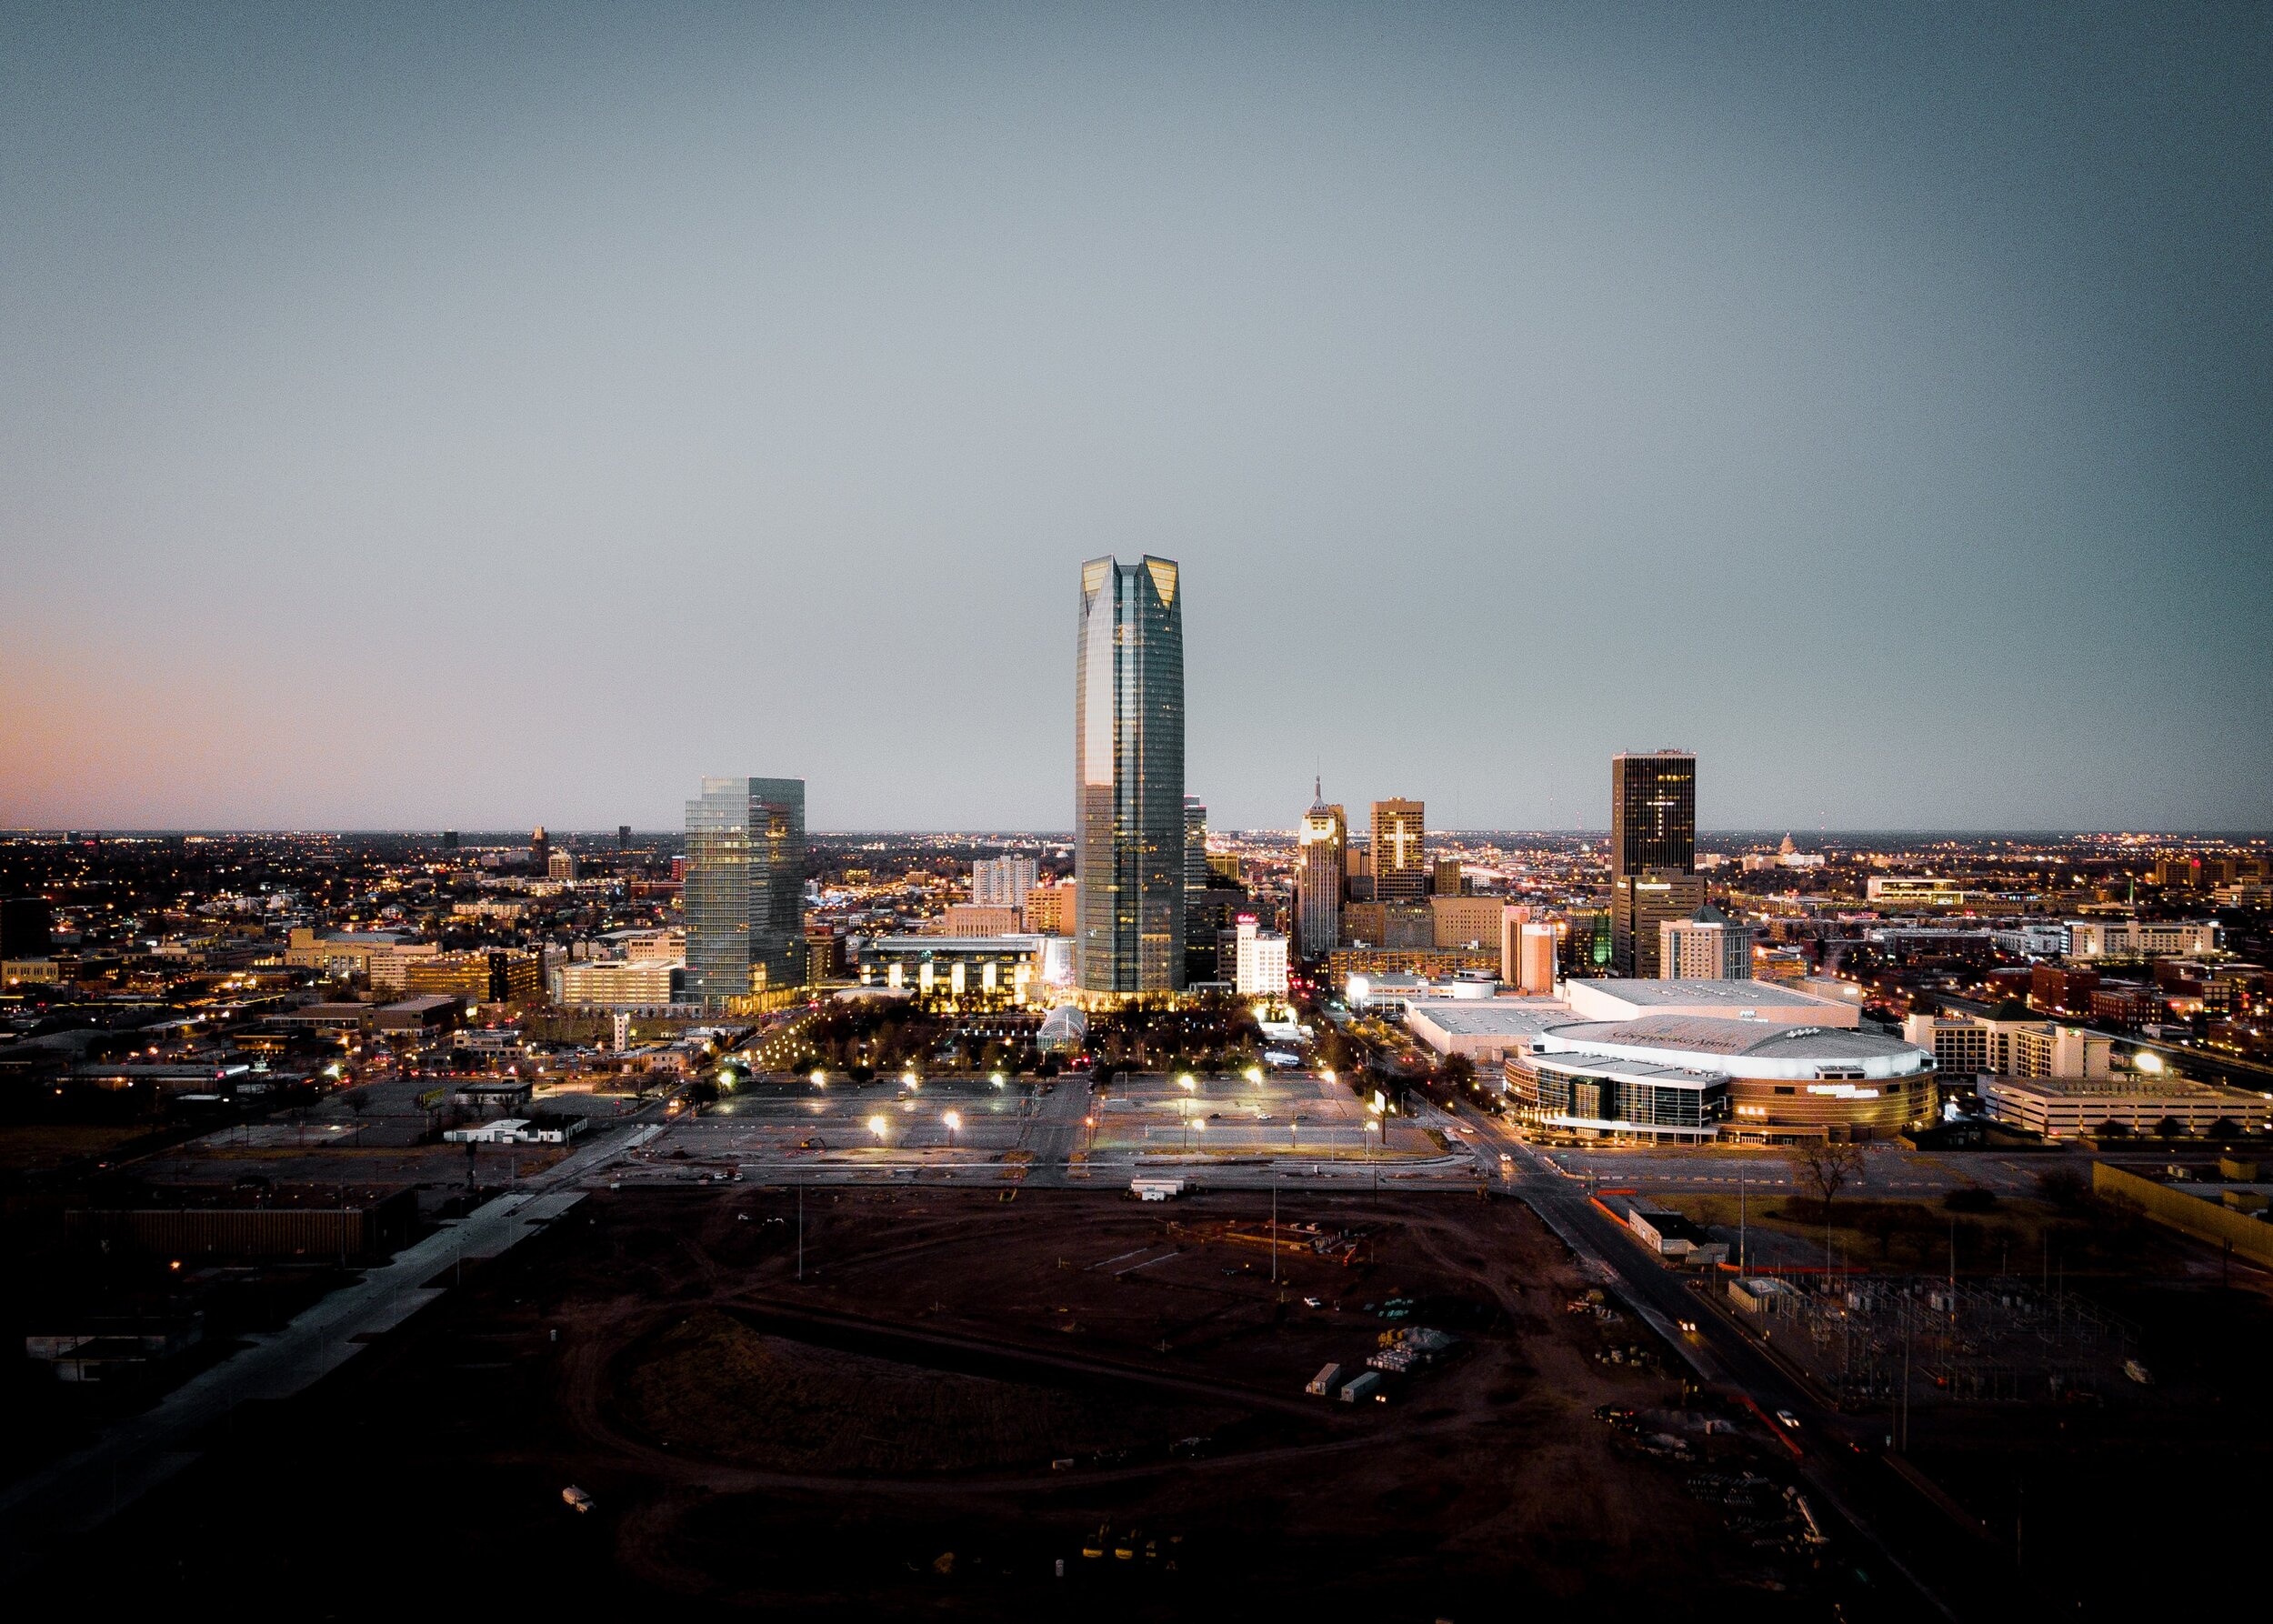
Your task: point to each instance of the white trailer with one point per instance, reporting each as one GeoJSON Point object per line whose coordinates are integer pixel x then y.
{"type": "Point", "coordinates": [1155, 1189]}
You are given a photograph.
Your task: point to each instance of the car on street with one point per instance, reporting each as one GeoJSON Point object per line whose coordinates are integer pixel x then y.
{"type": "Point", "coordinates": [1789, 1419]}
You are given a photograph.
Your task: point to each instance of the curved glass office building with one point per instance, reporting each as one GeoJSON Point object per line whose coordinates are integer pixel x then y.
{"type": "Point", "coordinates": [1129, 778]}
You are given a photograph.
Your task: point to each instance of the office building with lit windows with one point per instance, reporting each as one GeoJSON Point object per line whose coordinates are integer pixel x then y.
{"type": "Point", "coordinates": [1320, 844]}
{"type": "Point", "coordinates": [1653, 812]}
{"type": "Point", "coordinates": [745, 889]}
{"type": "Point", "coordinates": [1400, 874]}
{"type": "Point", "coordinates": [1708, 946]}
{"type": "Point", "coordinates": [1128, 751]}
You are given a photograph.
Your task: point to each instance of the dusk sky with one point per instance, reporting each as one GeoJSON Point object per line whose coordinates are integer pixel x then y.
{"type": "Point", "coordinates": [480, 416]}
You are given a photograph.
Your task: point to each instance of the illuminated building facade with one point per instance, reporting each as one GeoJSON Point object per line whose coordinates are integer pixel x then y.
{"type": "Point", "coordinates": [744, 896]}
{"type": "Point", "coordinates": [1653, 812]}
{"type": "Point", "coordinates": [1400, 874]}
{"type": "Point", "coordinates": [1320, 845]}
{"type": "Point", "coordinates": [1129, 749]}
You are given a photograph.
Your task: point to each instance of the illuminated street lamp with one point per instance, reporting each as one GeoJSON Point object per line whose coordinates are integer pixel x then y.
{"type": "Point", "coordinates": [820, 1077]}
{"type": "Point", "coordinates": [1373, 1127]}
{"type": "Point", "coordinates": [1325, 1074]}
{"type": "Point", "coordinates": [1254, 1075]}
{"type": "Point", "coordinates": [999, 1080]}
{"type": "Point", "coordinates": [953, 1122]}
{"type": "Point", "coordinates": [876, 1125]}
{"type": "Point", "coordinates": [910, 1081]}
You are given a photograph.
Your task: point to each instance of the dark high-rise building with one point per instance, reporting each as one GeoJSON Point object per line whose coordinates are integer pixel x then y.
{"type": "Point", "coordinates": [26, 928]}
{"type": "Point", "coordinates": [1195, 845]}
{"type": "Point", "coordinates": [1653, 853]}
{"type": "Point", "coordinates": [744, 896]}
{"type": "Point", "coordinates": [1199, 960]}
{"type": "Point", "coordinates": [1653, 812]}
{"type": "Point", "coordinates": [623, 836]}
{"type": "Point", "coordinates": [449, 840]}
{"type": "Point", "coordinates": [1129, 778]}
{"type": "Point", "coordinates": [540, 849]}
{"type": "Point", "coordinates": [1400, 874]}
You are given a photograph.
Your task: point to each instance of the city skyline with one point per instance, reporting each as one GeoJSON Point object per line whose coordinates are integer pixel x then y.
{"type": "Point", "coordinates": [446, 452]}
{"type": "Point", "coordinates": [1924, 349]}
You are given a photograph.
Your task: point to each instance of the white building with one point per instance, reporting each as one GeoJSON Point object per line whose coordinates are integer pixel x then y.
{"type": "Point", "coordinates": [619, 984]}
{"type": "Point", "coordinates": [1001, 882]}
{"type": "Point", "coordinates": [1708, 946]}
{"type": "Point", "coordinates": [2031, 941]}
{"type": "Point", "coordinates": [2143, 939]}
{"type": "Point", "coordinates": [1262, 962]}
{"type": "Point", "coordinates": [1613, 1000]}
{"type": "Point", "coordinates": [2032, 1046]}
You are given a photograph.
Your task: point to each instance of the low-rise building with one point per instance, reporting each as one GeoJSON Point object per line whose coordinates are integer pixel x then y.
{"type": "Point", "coordinates": [1049, 910]}
{"type": "Point", "coordinates": [1625, 999]}
{"type": "Point", "coordinates": [2144, 938]}
{"type": "Point", "coordinates": [979, 919]}
{"type": "Point", "coordinates": [427, 1013]}
{"type": "Point", "coordinates": [2063, 1107]}
{"type": "Point", "coordinates": [979, 971]}
{"type": "Point", "coordinates": [1262, 962]}
{"type": "Point", "coordinates": [2009, 1041]}
{"type": "Point", "coordinates": [622, 984]}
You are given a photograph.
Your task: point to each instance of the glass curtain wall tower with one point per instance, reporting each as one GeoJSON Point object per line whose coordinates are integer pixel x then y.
{"type": "Point", "coordinates": [1129, 778]}
{"type": "Point", "coordinates": [744, 896]}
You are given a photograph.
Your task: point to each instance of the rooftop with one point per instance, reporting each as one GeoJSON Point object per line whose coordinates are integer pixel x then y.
{"type": "Point", "coordinates": [1735, 995]}
{"type": "Point", "coordinates": [1492, 1017]}
{"type": "Point", "coordinates": [2111, 1088]}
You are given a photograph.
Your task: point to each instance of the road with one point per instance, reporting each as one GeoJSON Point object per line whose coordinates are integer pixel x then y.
{"type": "Point", "coordinates": [1958, 1577]}
{"type": "Point", "coordinates": [141, 1452]}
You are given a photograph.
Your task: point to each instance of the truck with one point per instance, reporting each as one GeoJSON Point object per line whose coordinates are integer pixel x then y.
{"type": "Point", "coordinates": [1366, 1384]}
{"type": "Point", "coordinates": [1323, 1382]}
{"type": "Point", "coordinates": [1155, 1189]}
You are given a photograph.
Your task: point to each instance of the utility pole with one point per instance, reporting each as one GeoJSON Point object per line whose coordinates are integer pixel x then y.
{"type": "Point", "coordinates": [1274, 1232]}
{"type": "Point", "coordinates": [800, 1230]}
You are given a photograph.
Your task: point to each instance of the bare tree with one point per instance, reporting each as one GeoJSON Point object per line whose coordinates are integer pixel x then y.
{"type": "Point", "coordinates": [1826, 1167]}
{"type": "Point", "coordinates": [1830, 1169]}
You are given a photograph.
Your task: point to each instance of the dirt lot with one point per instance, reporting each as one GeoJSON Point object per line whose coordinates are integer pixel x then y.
{"type": "Point", "coordinates": [962, 1393]}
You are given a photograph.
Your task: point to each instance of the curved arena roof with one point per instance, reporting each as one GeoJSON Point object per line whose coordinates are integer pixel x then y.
{"type": "Point", "coordinates": [1740, 1048]}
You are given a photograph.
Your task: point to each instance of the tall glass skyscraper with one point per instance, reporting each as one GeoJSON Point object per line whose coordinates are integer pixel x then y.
{"type": "Point", "coordinates": [1129, 778]}
{"type": "Point", "coordinates": [745, 896]}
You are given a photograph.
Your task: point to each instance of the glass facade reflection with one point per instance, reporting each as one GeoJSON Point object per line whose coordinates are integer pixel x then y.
{"type": "Point", "coordinates": [744, 896]}
{"type": "Point", "coordinates": [1129, 747]}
